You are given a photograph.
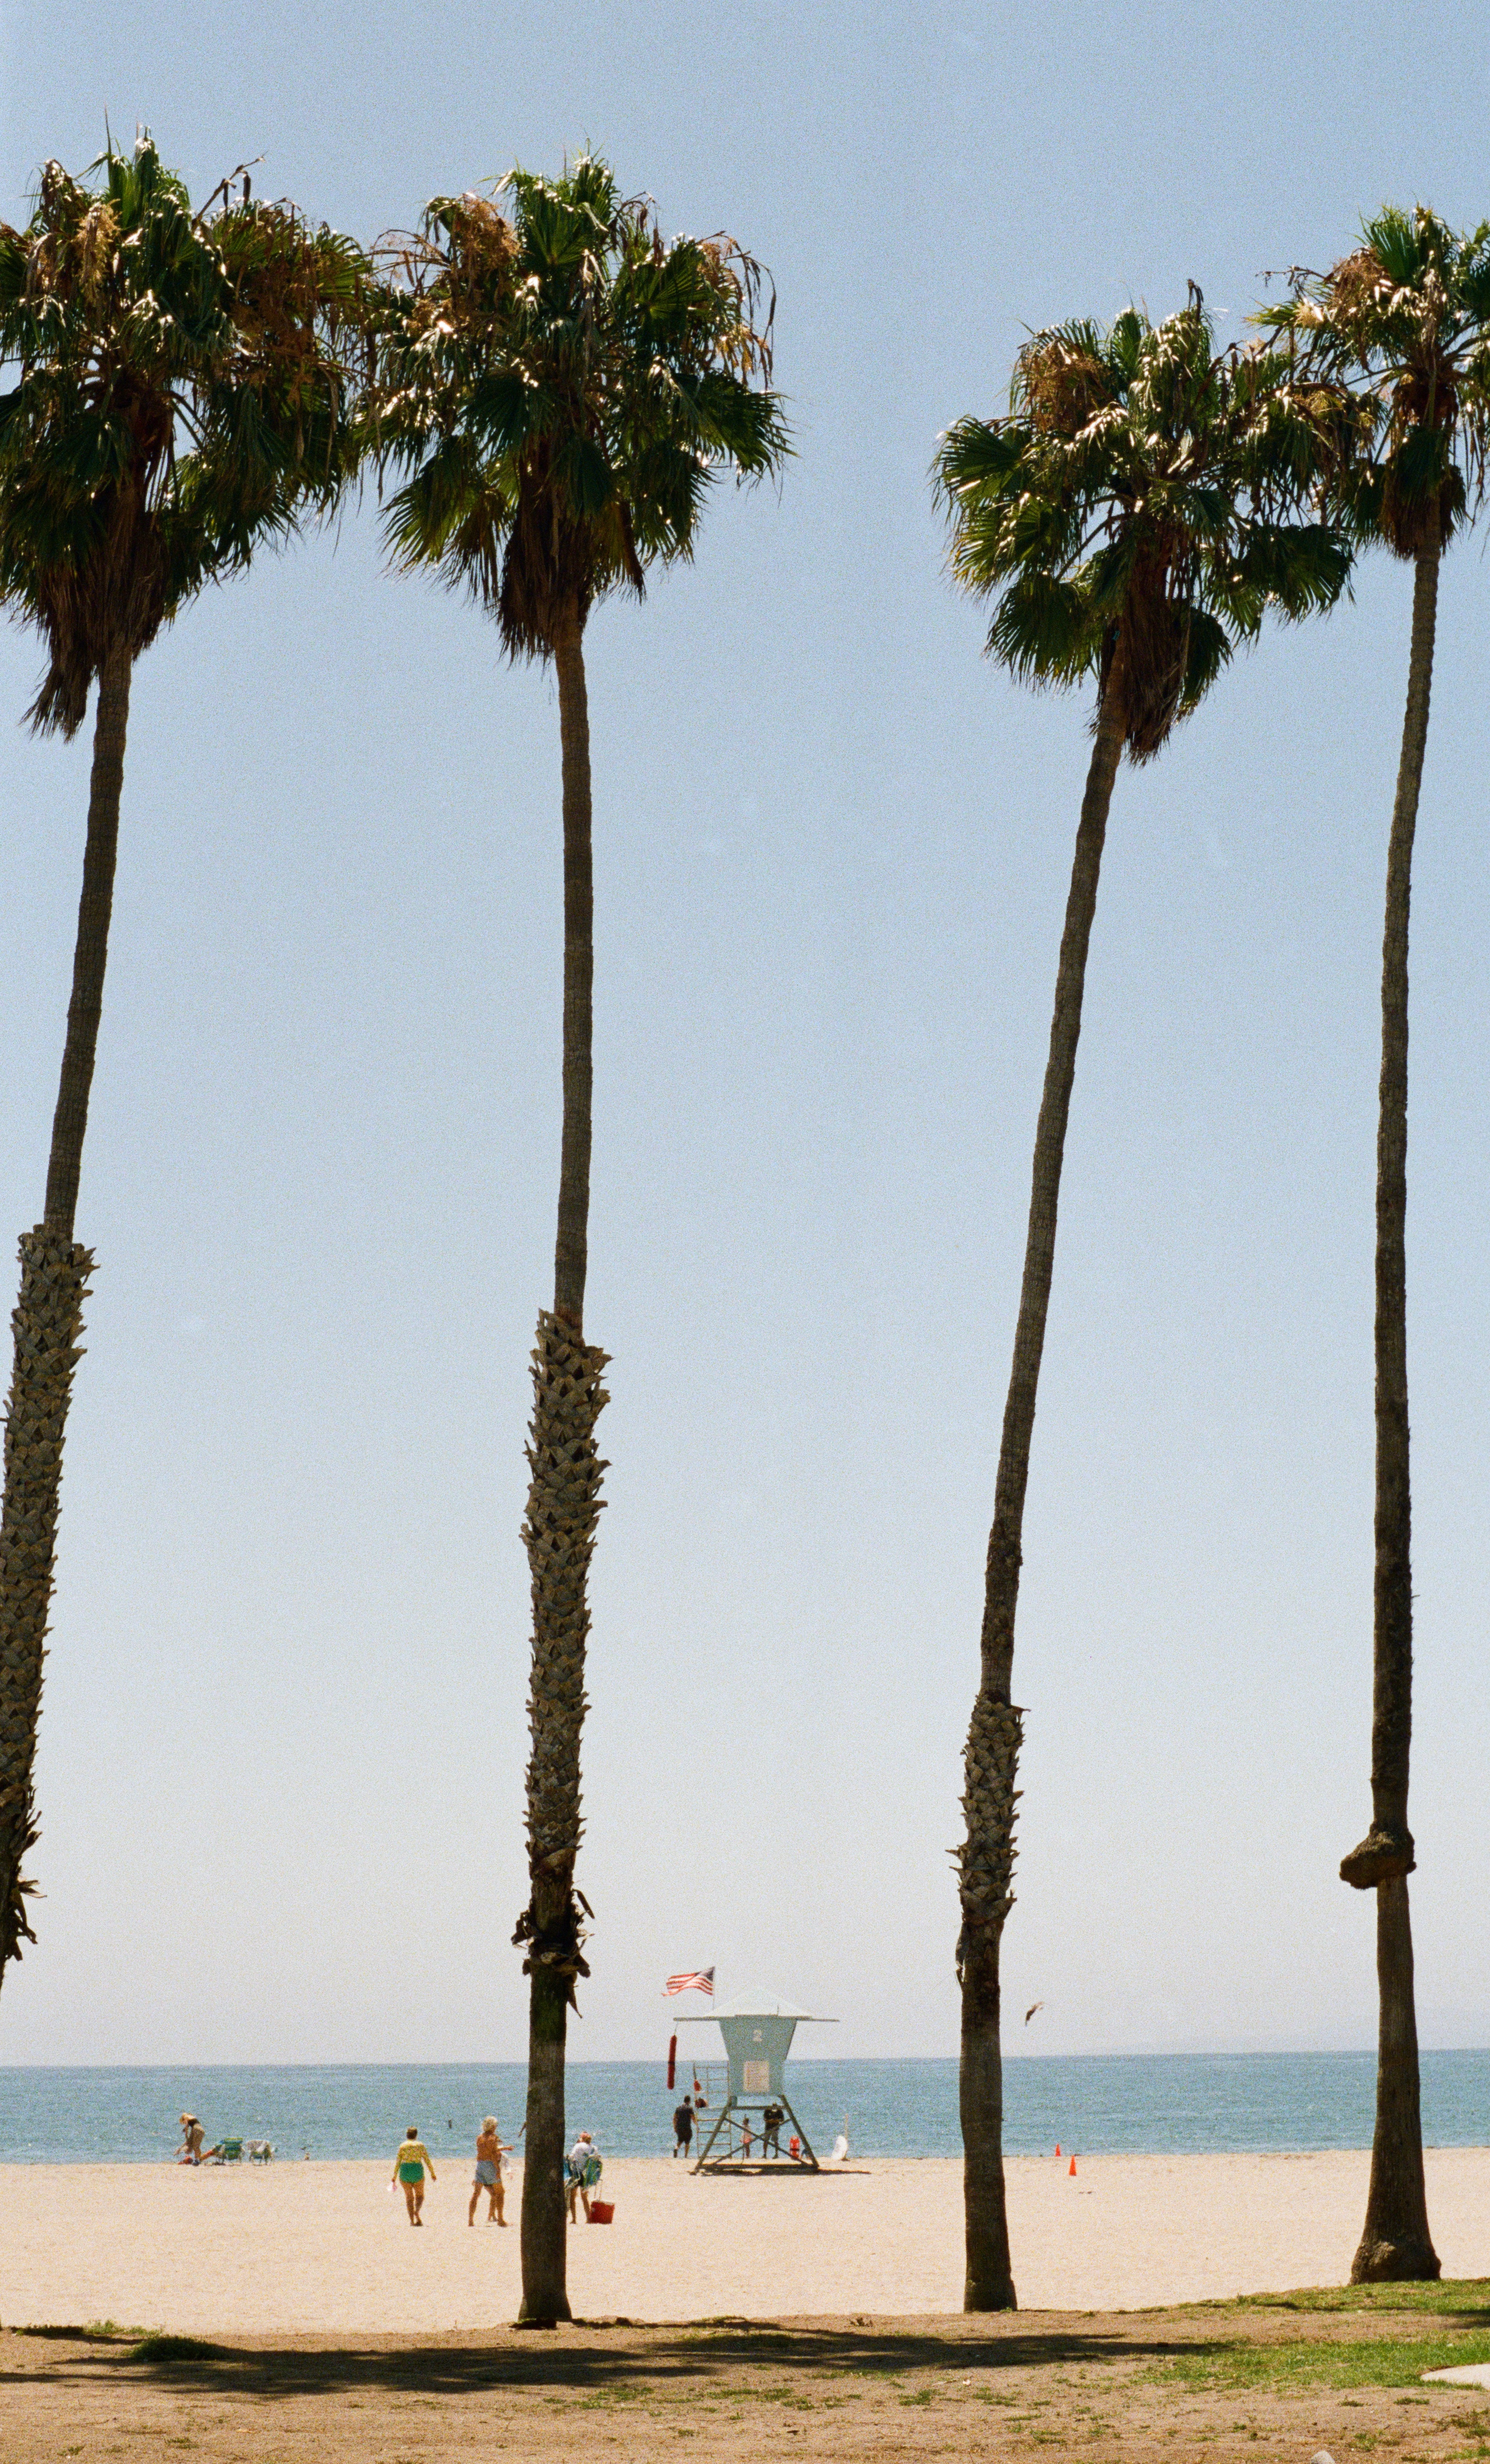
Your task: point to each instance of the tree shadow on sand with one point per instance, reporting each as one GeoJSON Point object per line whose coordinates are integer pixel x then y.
{"type": "Point", "coordinates": [598, 2357]}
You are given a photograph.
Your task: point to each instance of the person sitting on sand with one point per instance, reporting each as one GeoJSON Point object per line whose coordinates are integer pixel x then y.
{"type": "Point", "coordinates": [581, 2172]}
{"type": "Point", "coordinates": [487, 2175]}
{"type": "Point", "coordinates": [408, 2168]}
{"type": "Point", "coordinates": [191, 2136]}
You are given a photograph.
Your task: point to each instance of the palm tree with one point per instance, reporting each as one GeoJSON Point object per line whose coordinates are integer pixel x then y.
{"type": "Point", "coordinates": [1135, 516]}
{"type": "Point", "coordinates": [562, 386]}
{"type": "Point", "coordinates": [1405, 322]}
{"type": "Point", "coordinates": [182, 395]}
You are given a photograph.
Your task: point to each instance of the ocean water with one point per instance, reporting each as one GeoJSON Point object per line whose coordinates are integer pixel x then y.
{"type": "Point", "coordinates": [1114, 2104]}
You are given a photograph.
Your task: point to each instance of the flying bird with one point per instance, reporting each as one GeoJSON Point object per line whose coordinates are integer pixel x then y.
{"type": "Point", "coordinates": [1030, 2013]}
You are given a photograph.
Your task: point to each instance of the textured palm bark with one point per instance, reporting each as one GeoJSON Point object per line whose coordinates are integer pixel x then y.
{"type": "Point", "coordinates": [47, 1322]}
{"type": "Point", "coordinates": [986, 1857]}
{"type": "Point", "coordinates": [563, 1511]}
{"type": "Point", "coordinates": [1395, 2243]}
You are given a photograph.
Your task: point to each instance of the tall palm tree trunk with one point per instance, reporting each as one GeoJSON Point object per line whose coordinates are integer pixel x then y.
{"type": "Point", "coordinates": [986, 1859]}
{"type": "Point", "coordinates": [571, 1245]}
{"type": "Point", "coordinates": [563, 1509]}
{"type": "Point", "coordinates": [1395, 2244]}
{"type": "Point", "coordinates": [47, 1322]}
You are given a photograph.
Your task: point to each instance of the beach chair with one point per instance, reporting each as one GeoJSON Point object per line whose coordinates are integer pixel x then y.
{"type": "Point", "coordinates": [228, 2151]}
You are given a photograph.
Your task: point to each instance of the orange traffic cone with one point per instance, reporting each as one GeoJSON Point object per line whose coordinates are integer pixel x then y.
{"type": "Point", "coordinates": [1073, 2164]}
{"type": "Point", "coordinates": [1058, 2147]}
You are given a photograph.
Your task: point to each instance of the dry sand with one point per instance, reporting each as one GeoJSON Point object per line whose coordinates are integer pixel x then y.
{"type": "Point", "coordinates": [308, 2249]}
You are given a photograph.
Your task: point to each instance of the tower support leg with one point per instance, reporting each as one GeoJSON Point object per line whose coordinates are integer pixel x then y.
{"type": "Point", "coordinates": [725, 2111]}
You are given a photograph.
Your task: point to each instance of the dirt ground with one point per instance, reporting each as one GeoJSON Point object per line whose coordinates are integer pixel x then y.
{"type": "Point", "coordinates": [1287, 2377]}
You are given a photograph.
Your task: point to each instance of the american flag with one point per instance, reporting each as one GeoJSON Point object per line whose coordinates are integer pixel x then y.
{"type": "Point", "coordinates": [694, 1980]}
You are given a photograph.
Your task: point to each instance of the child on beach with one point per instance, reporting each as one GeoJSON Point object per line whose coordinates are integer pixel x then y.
{"type": "Point", "coordinates": [487, 2175]}
{"type": "Point", "coordinates": [408, 2168]}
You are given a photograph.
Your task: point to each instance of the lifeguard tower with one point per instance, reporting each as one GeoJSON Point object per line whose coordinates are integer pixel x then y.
{"type": "Point", "coordinates": [757, 2035]}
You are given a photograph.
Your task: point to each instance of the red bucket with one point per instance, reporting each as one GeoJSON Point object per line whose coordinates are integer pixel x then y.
{"type": "Point", "coordinates": [601, 2210]}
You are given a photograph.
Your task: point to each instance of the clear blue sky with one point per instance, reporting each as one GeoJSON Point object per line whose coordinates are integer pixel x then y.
{"type": "Point", "coordinates": [283, 1736]}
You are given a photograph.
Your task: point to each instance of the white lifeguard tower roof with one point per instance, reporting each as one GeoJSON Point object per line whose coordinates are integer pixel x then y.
{"type": "Point", "coordinates": [759, 2006]}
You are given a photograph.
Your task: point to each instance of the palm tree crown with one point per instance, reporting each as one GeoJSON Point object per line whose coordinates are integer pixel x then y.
{"type": "Point", "coordinates": [186, 389]}
{"type": "Point", "coordinates": [1139, 512]}
{"type": "Point", "coordinates": [1404, 322]}
{"type": "Point", "coordinates": [562, 386]}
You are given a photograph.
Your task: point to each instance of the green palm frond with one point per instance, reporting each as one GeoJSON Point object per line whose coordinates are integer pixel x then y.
{"type": "Point", "coordinates": [1043, 630]}
{"type": "Point", "coordinates": [1145, 506]}
{"type": "Point", "coordinates": [559, 388]}
{"type": "Point", "coordinates": [1208, 647]}
{"type": "Point", "coordinates": [184, 393]}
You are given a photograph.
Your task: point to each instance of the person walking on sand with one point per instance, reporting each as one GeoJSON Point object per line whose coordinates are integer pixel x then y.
{"type": "Point", "coordinates": [409, 2166]}
{"type": "Point", "coordinates": [581, 2172]}
{"type": "Point", "coordinates": [487, 2175]}
{"type": "Point", "coordinates": [683, 2128]}
{"type": "Point", "coordinates": [190, 2152]}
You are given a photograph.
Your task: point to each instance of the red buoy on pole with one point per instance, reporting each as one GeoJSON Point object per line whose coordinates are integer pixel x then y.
{"type": "Point", "coordinates": [672, 2062]}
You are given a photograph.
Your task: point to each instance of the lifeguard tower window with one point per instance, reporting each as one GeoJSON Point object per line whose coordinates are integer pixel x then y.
{"type": "Point", "coordinates": [746, 2136]}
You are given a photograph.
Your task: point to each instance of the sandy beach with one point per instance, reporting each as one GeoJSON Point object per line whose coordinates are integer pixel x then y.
{"type": "Point", "coordinates": [306, 2249]}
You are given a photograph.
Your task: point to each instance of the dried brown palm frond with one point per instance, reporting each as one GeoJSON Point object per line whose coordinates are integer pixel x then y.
{"type": "Point", "coordinates": [121, 593]}
{"type": "Point", "coordinates": [1357, 286]}
{"type": "Point", "coordinates": [1146, 658]}
{"type": "Point", "coordinates": [554, 567]}
{"type": "Point", "coordinates": [1410, 519]}
{"type": "Point", "coordinates": [1063, 385]}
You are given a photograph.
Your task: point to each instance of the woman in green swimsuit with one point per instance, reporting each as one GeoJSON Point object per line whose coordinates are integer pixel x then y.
{"type": "Point", "coordinates": [408, 2168]}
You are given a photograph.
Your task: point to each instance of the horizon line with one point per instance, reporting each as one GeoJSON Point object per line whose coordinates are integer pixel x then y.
{"type": "Point", "coordinates": [636, 2061]}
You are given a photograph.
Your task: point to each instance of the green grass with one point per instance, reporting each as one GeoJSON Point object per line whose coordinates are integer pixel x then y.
{"type": "Point", "coordinates": [175, 2349]}
{"type": "Point", "coordinates": [1466, 2296]}
{"type": "Point", "coordinates": [1384, 2361]}
{"type": "Point", "coordinates": [96, 2331]}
